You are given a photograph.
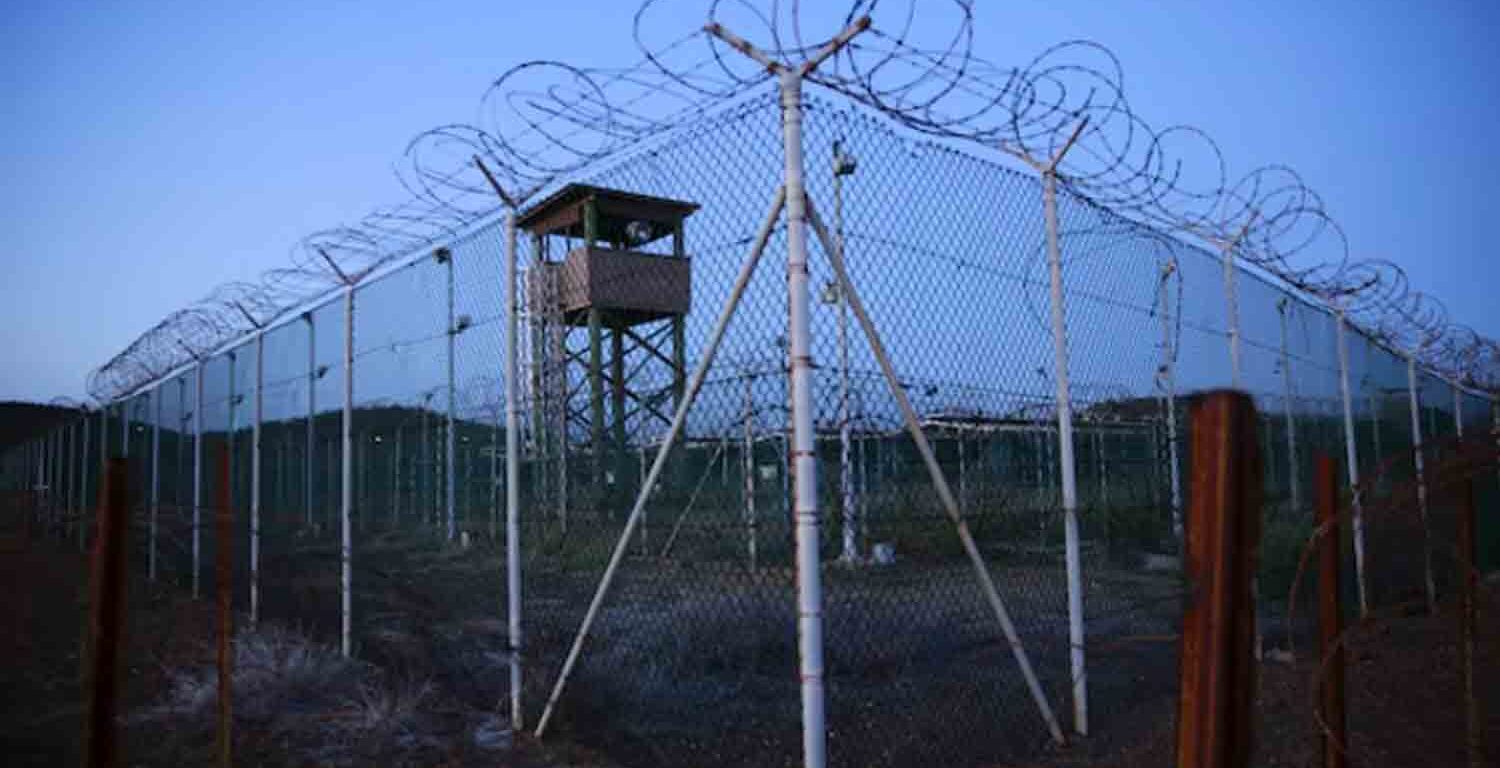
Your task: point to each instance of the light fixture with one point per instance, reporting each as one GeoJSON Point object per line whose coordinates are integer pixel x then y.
{"type": "Point", "coordinates": [844, 163]}
{"type": "Point", "coordinates": [639, 232]}
{"type": "Point", "coordinates": [830, 292]}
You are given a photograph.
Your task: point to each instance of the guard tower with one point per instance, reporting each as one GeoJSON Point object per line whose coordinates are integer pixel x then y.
{"type": "Point", "coordinates": [604, 261]}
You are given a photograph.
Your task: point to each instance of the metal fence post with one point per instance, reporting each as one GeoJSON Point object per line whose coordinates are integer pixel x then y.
{"type": "Point", "coordinates": [224, 606]}
{"type": "Point", "coordinates": [155, 476]}
{"type": "Point", "coordinates": [1458, 410]}
{"type": "Point", "coordinates": [1468, 587]}
{"type": "Point", "coordinates": [229, 437]}
{"type": "Point", "coordinates": [70, 472]}
{"type": "Point", "coordinates": [512, 475]}
{"type": "Point", "coordinates": [1351, 458]}
{"type": "Point", "coordinates": [255, 469]}
{"type": "Point", "coordinates": [844, 165]}
{"type": "Point", "coordinates": [1231, 302]}
{"type": "Point", "coordinates": [1420, 465]}
{"type": "Point", "coordinates": [107, 615]}
{"type": "Point", "coordinates": [197, 479]}
{"type": "Point", "coordinates": [1293, 465]}
{"type": "Point", "coordinates": [748, 468]}
{"type": "Point", "coordinates": [49, 481]}
{"type": "Point", "coordinates": [804, 456]}
{"type": "Point", "coordinates": [396, 480]}
{"type": "Point", "coordinates": [83, 485]}
{"type": "Point", "coordinates": [1330, 618]}
{"type": "Point", "coordinates": [179, 469]}
{"type": "Point", "coordinates": [59, 478]}
{"type": "Point", "coordinates": [1067, 466]}
{"type": "Point", "coordinates": [310, 466]}
{"type": "Point", "coordinates": [346, 477]}
{"type": "Point", "coordinates": [445, 256]}
{"type": "Point", "coordinates": [1216, 662]}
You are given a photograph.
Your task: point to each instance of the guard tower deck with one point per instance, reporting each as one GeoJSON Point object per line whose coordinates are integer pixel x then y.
{"type": "Point", "coordinates": [610, 271]}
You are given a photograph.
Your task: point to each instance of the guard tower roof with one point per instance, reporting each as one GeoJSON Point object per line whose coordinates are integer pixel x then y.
{"type": "Point", "coordinates": [562, 213]}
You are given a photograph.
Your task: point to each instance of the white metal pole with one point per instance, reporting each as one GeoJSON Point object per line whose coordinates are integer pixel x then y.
{"type": "Point", "coordinates": [495, 473]}
{"type": "Point", "coordinates": [747, 463]}
{"type": "Point", "coordinates": [1232, 309]}
{"type": "Point", "coordinates": [1351, 458]}
{"type": "Point", "coordinates": [396, 480]}
{"type": "Point", "coordinates": [1458, 411]}
{"type": "Point", "coordinates": [1288, 396]}
{"type": "Point", "coordinates": [310, 465]}
{"type": "Point", "coordinates": [346, 543]}
{"type": "Point", "coordinates": [83, 520]}
{"type": "Point", "coordinates": [945, 493]}
{"type": "Point", "coordinates": [70, 475]}
{"type": "Point", "coordinates": [59, 482]}
{"type": "Point", "coordinates": [233, 428]}
{"type": "Point", "coordinates": [1169, 383]}
{"type": "Point", "coordinates": [255, 459]}
{"type": "Point", "coordinates": [842, 165]}
{"type": "Point", "coordinates": [512, 476]}
{"type": "Point", "coordinates": [155, 478]}
{"type": "Point", "coordinates": [424, 512]}
{"type": "Point", "coordinates": [804, 456]}
{"type": "Point", "coordinates": [59, 477]}
{"type": "Point", "coordinates": [448, 447]}
{"type": "Point", "coordinates": [49, 471]}
{"type": "Point", "coordinates": [179, 466]}
{"type": "Point", "coordinates": [1417, 459]}
{"type": "Point", "coordinates": [679, 418]}
{"type": "Point", "coordinates": [1074, 561]}
{"type": "Point", "coordinates": [197, 479]}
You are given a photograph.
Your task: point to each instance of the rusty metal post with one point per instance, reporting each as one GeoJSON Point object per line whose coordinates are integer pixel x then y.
{"type": "Point", "coordinates": [107, 619]}
{"type": "Point", "coordinates": [224, 592]}
{"type": "Point", "coordinates": [1334, 728]}
{"type": "Point", "coordinates": [1216, 663]}
{"type": "Point", "coordinates": [1468, 585]}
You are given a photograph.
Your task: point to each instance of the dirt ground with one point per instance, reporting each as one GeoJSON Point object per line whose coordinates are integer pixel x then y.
{"type": "Point", "coordinates": [300, 704]}
{"type": "Point", "coordinates": [296, 704]}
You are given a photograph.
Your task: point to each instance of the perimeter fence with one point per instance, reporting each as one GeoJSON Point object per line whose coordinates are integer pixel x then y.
{"type": "Point", "coordinates": [367, 439]}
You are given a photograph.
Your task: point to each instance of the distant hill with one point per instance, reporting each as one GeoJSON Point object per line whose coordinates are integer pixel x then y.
{"type": "Point", "coordinates": [20, 422]}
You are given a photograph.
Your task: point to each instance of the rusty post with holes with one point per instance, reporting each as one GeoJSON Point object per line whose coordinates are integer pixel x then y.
{"type": "Point", "coordinates": [224, 591]}
{"type": "Point", "coordinates": [1216, 663]}
{"type": "Point", "coordinates": [1330, 618]}
{"type": "Point", "coordinates": [1468, 586]}
{"type": "Point", "coordinates": [106, 620]}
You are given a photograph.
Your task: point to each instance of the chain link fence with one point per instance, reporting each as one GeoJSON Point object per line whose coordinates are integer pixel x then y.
{"type": "Point", "coordinates": [370, 495]}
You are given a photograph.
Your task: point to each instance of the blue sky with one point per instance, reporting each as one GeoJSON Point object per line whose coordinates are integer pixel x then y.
{"type": "Point", "coordinates": [157, 150]}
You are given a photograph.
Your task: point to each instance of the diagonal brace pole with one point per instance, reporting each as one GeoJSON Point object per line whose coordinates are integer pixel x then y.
{"type": "Point", "coordinates": [945, 493]}
{"type": "Point", "coordinates": [678, 420]}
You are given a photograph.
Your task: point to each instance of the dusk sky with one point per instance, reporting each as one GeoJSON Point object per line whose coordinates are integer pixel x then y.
{"type": "Point", "coordinates": [157, 150]}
